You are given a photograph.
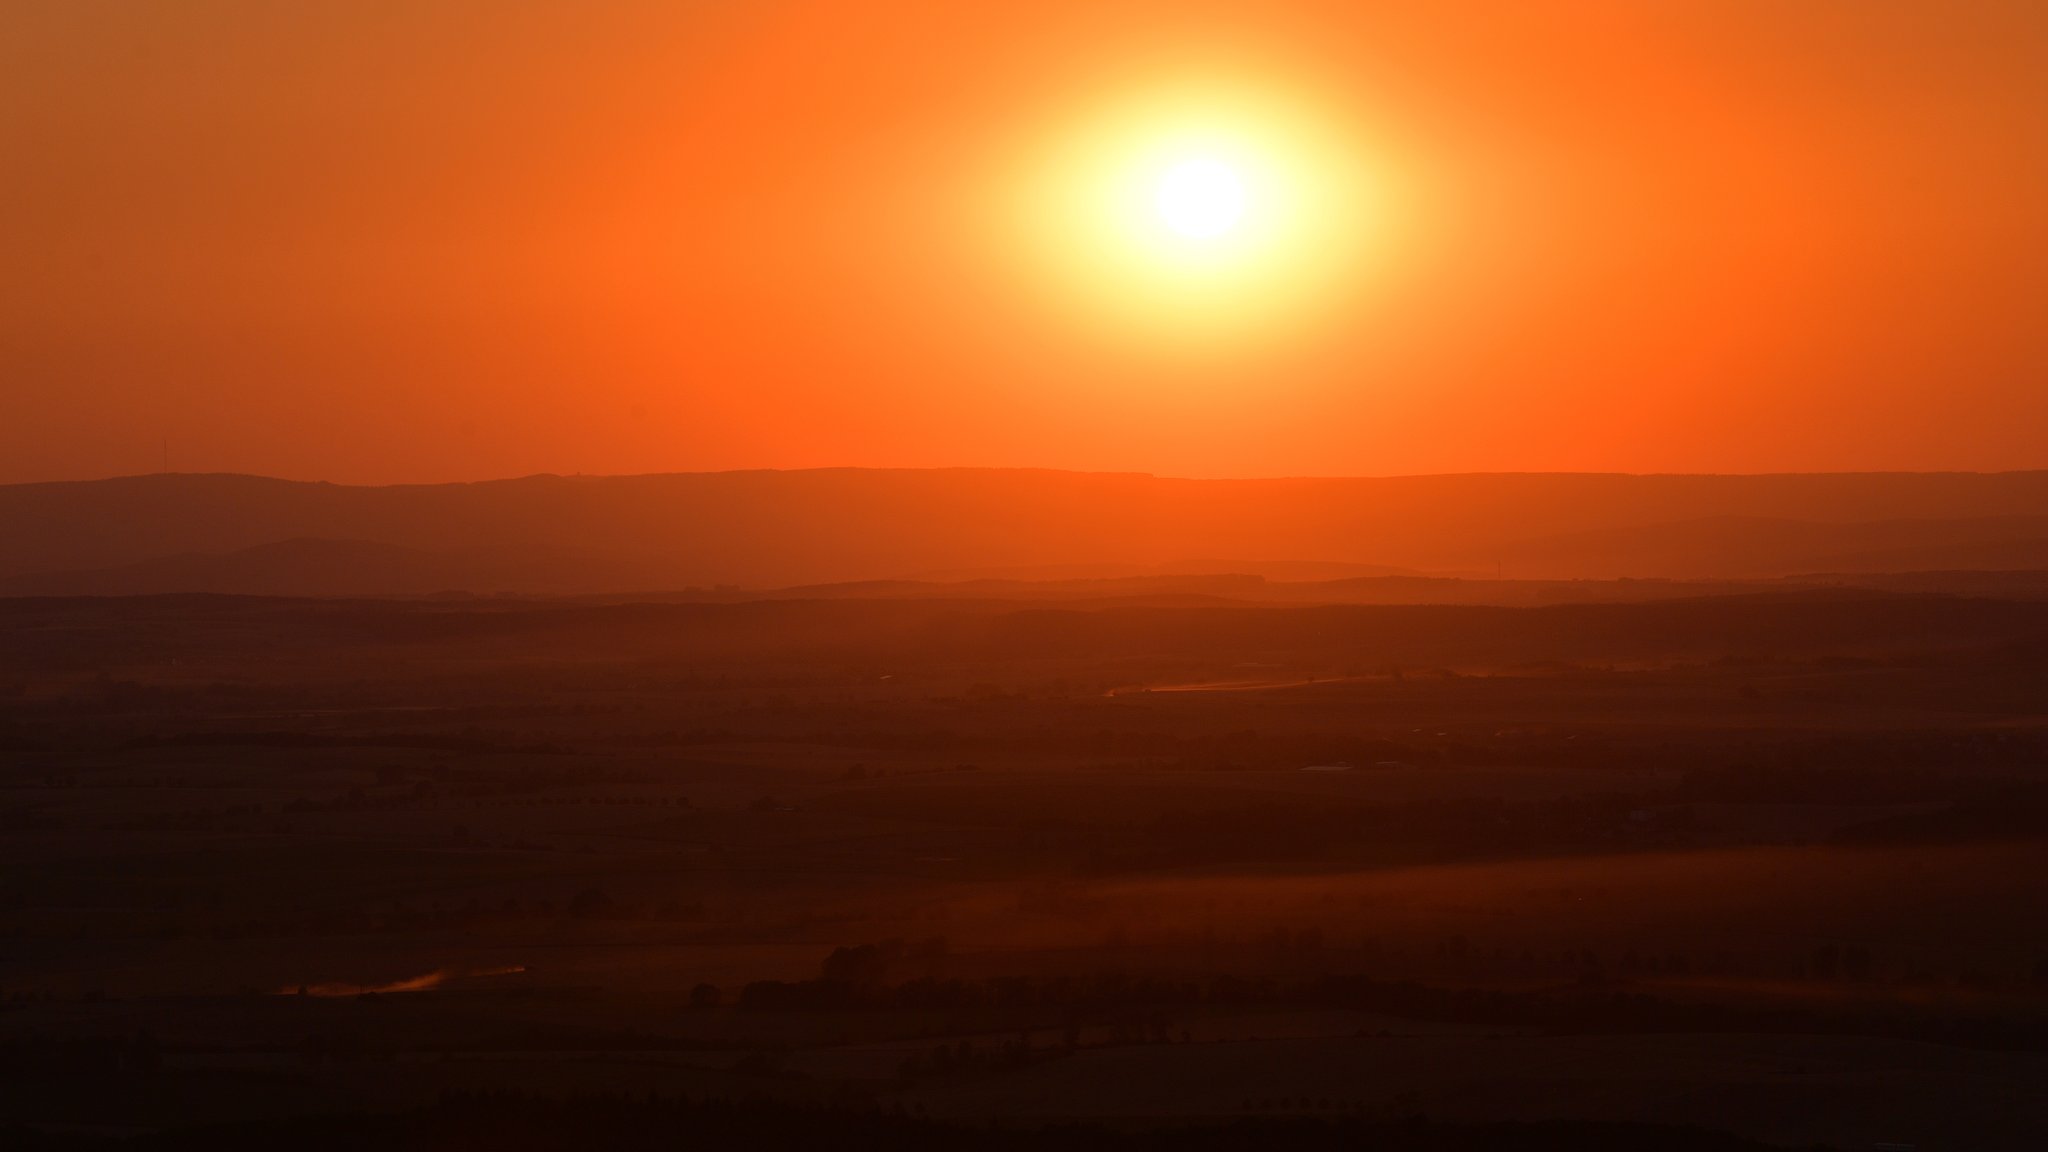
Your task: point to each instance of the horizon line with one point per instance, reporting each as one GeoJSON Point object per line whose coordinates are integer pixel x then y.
{"type": "Point", "coordinates": [1134, 475]}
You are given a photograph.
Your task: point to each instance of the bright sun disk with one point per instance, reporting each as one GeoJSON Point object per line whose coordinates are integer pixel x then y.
{"type": "Point", "coordinates": [1191, 219]}
{"type": "Point", "coordinates": [1200, 198]}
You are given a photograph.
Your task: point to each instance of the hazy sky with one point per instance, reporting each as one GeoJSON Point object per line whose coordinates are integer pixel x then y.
{"type": "Point", "coordinates": [455, 239]}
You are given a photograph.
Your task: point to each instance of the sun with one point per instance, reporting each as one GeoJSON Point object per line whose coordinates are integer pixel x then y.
{"type": "Point", "coordinates": [1200, 198]}
{"type": "Point", "coordinates": [1191, 216]}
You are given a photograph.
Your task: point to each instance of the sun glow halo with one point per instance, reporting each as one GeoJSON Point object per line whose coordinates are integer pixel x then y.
{"type": "Point", "coordinates": [1195, 218]}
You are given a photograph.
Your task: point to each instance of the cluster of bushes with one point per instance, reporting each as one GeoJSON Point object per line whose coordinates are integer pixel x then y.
{"type": "Point", "coordinates": [34, 1055]}
{"type": "Point", "coordinates": [513, 1122]}
{"type": "Point", "coordinates": [1424, 831]}
{"type": "Point", "coordinates": [1593, 1006]}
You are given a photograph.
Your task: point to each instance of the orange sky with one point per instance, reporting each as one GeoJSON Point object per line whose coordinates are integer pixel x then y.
{"type": "Point", "coordinates": [455, 239]}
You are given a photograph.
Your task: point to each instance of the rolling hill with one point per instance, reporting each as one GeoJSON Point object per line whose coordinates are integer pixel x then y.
{"type": "Point", "coordinates": [769, 529]}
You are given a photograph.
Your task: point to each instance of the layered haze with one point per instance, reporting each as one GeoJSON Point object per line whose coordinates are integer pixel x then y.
{"type": "Point", "coordinates": [174, 533]}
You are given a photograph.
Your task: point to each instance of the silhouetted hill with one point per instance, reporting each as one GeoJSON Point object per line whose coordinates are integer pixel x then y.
{"type": "Point", "coordinates": [306, 567]}
{"type": "Point", "coordinates": [1753, 546]}
{"type": "Point", "coordinates": [2015, 554]}
{"type": "Point", "coordinates": [765, 529]}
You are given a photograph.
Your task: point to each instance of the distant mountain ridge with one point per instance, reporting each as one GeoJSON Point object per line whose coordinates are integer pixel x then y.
{"type": "Point", "coordinates": [314, 567]}
{"type": "Point", "coordinates": [777, 529]}
{"type": "Point", "coordinates": [1757, 546]}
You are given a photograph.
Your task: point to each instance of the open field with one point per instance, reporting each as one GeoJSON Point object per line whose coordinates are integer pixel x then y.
{"type": "Point", "coordinates": [1753, 863]}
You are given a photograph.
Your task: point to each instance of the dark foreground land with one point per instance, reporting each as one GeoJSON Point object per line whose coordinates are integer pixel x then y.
{"type": "Point", "coordinates": [1162, 870]}
{"type": "Point", "coordinates": [512, 1123]}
